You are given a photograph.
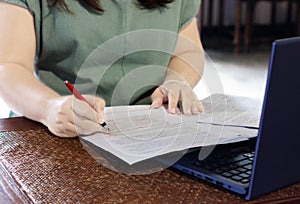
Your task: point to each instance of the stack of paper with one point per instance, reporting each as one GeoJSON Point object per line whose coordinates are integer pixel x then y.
{"type": "Point", "coordinates": [141, 132]}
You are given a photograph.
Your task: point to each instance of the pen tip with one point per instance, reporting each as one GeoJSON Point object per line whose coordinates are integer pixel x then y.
{"type": "Point", "coordinates": [104, 125]}
{"type": "Point", "coordinates": [66, 81]}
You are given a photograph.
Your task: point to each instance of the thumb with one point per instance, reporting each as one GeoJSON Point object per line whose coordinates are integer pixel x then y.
{"type": "Point", "coordinates": [98, 105]}
{"type": "Point", "coordinates": [157, 98]}
{"type": "Point", "coordinates": [99, 108]}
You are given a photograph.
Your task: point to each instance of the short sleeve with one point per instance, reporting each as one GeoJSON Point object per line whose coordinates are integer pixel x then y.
{"type": "Point", "coordinates": [189, 10]}
{"type": "Point", "coordinates": [21, 3]}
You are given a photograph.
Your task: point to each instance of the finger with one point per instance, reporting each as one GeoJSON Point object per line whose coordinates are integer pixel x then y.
{"type": "Point", "coordinates": [187, 102]}
{"type": "Point", "coordinates": [164, 90]}
{"type": "Point", "coordinates": [76, 124]}
{"type": "Point", "coordinates": [197, 107]}
{"type": "Point", "coordinates": [157, 98]}
{"type": "Point", "coordinates": [67, 131]}
{"type": "Point", "coordinates": [98, 105]}
{"type": "Point", "coordinates": [173, 98]}
{"type": "Point", "coordinates": [84, 126]}
{"type": "Point", "coordinates": [62, 121]}
{"type": "Point", "coordinates": [83, 109]}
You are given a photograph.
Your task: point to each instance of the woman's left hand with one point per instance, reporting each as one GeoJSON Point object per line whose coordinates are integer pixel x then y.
{"type": "Point", "coordinates": [173, 91]}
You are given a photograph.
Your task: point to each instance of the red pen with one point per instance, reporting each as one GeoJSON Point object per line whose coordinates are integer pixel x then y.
{"type": "Point", "coordinates": [80, 97]}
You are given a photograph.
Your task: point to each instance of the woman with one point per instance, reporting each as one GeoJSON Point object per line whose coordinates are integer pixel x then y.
{"type": "Point", "coordinates": [43, 43]}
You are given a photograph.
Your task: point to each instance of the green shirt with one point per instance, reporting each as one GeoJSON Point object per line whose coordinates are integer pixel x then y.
{"type": "Point", "coordinates": [120, 55]}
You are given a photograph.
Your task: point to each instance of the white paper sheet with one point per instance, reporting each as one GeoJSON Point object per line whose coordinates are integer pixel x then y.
{"type": "Point", "coordinates": [141, 132]}
{"type": "Point", "coordinates": [231, 110]}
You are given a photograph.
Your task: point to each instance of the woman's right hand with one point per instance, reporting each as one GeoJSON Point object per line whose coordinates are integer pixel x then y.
{"type": "Point", "coordinates": [69, 117]}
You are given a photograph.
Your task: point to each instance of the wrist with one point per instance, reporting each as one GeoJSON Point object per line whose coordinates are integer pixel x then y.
{"type": "Point", "coordinates": [47, 105]}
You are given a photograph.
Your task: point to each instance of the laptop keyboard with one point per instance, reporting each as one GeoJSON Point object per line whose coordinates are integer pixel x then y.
{"type": "Point", "coordinates": [235, 164]}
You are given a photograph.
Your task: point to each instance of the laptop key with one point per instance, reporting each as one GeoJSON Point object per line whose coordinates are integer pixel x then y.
{"type": "Point", "coordinates": [244, 175]}
{"type": "Point", "coordinates": [227, 174]}
{"type": "Point", "coordinates": [244, 162]}
{"type": "Point", "coordinates": [249, 166]}
{"type": "Point", "coordinates": [245, 181]}
{"type": "Point", "coordinates": [233, 171]}
{"type": "Point", "coordinates": [241, 169]}
{"type": "Point", "coordinates": [231, 166]}
{"type": "Point", "coordinates": [239, 158]}
{"type": "Point", "coordinates": [249, 154]}
{"type": "Point", "coordinates": [223, 169]}
{"type": "Point", "coordinates": [236, 178]}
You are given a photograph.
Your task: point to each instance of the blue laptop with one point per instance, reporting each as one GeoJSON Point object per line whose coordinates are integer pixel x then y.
{"type": "Point", "coordinates": [272, 160]}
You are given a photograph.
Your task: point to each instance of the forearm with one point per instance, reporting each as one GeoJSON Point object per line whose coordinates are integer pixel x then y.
{"type": "Point", "coordinates": [188, 58]}
{"type": "Point", "coordinates": [187, 67]}
{"type": "Point", "coordinates": [23, 92]}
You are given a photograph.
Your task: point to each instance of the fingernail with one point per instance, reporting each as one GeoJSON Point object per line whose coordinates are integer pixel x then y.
{"type": "Point", "coordinates": [173, 110]}
{"type": "Point", "coordinates": [188, 112]}
{"type": "Point", "coordinates": [155, 103]}
{"type": "Point", "coordinates": [200, 109]}
{"type": "Point", "coordinates": [195, 111]}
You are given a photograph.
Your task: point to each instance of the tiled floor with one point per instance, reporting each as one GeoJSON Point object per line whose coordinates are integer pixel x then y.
{"type": "Point", "coordinates": [242, 74]}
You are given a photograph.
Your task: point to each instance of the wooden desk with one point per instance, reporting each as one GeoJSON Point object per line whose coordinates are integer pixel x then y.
{"type": "Point", "coordinates": [37, 167]}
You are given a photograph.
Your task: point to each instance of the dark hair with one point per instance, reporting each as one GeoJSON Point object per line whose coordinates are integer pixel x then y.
{"type": "Point", "coordinates": [95, 4]}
